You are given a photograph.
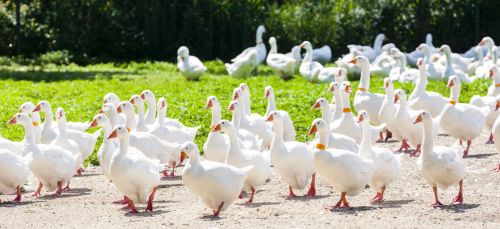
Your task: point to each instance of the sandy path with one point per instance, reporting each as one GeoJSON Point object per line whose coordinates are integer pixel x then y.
{"type": "Point", "coordinates": [407, 204]}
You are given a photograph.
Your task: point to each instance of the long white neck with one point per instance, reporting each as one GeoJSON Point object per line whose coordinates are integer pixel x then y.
{"type": "Point", "coordinates": [194, 158]}
{"type": "Point", "coordinates": [248, 109]}
{"type": "Point", "coordinates": [140, 111]}
{"type": "Point", "coordinates": [402, 64]}
{"type": "Point", "coordinates": [448, 63]}
{"type": "Point", "coordinates": [324, 136]}
{"type": "Point", "coordinates": [124, 143]}
{"type": "Point", "coordinates": [113, 117]}
{"type": "Point", "coordinates": [150, 113]}
{"type": "Point", "coordinates": [29, 134]}
{"type": "Point", "coordinates": [258, 37]}
{"type": "Point", "coordinates": [364, 81]}
{"type": "Point", "coordinates": [377, 45]}
{"type": "Point", "coordinates": [326, 114]}
{"type": "Point", "coordinates": [35, 116]}
{"type": "Point", "coordinates": [403, 104]}
{"type": "Point", "coordinates": [49, 118]}
{"type": "Point", "coordinates": [389, 94]}
{"type": "Point", "coordinates": [422, 82]}
{"type": "Point", "coordinates": [271, 104]}
{"type": "Point", "coordinates": [130, 120]}
{"type": "Point", "coordinates": [277, 140]}
{"type": "Point", "coordinates": [366, 141]}
{"type": "Point", "coordinates": [428, 141]}
{"type": "Point", "coordinates": [236, 119]}
{"type": "Point", "coordinates": [107, 128]}
{"type": "Point", "coordinates": [61, 125]}
{"type": "Point", "coordinates": [274, 48]}
{"type": "Point", "coordinates": [162, 112]}
{"type": "Point", "coordinates": [345, 101]}
{"type": "Point", "coordinates": [234, 145]}
{"type": "Point", "coordinates": [309, 55]}
{"type": "Point", "coordinates": [427, 55]}
{"type": "Point", "coordinates": [455, 93]}
{"type": "Point", "coordinates": [216, 115]}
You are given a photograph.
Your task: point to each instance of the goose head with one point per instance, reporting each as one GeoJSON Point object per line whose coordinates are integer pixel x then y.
{"type": "Point", "coordinates": [428, 39]}
{"type": "Point", "coordinates": [273, 44]}
{"type": "Point", "coordinates": [148, 95]}
{"type": "Point", "coordinates": [119, 132]}
{"type": "Point", "coordinates": [60, 115]}
{"type": "Point", "coordinates": [345, 89]}
{"type": "Point", "coordinates": [99, 120]}
{"type": "Point", "coordinates": [445, 49]}
{"type": "Point", "coordinates": [237, 94]}
{"type": "Point", "coordinates": [107, 108]}
{"type": "Point", "coordinates": [340, 75]}
{"type": "Point", "coordinates": [111, 98]}
{"type": "Point", "coordinates": [190, 149]}
{"type": "Point", "coordinates": [318, 126]}
{"type": "Point", "coordinates": [388, 85]}
{"type": "Point", "coordinates": [423, 47]}
{"type": "Point", "coordinates": [27, 108]}
{"type": "Point", "coordinates": [334, 86]}
{"type": "Point", "coordinates": [212, 103]}
{"type": "Point", "coordinates": [274, 117]}
{"type": "Point", "coordinates": [125, 107]}
{"type": "Point", "coordinates": [420, 62]}
{"type": "Point", "coordinates": [268, 92]}
{"type": "Point", "coordinates": [224, 126]}
{"type": "Point", "coordinates": [234, 106]}
{"type": "Point", "coordinates": [183, 52]}
{"type": "Point", "coordinates": [488, 41]}
{"type": "Point", "coordinates": [43, 106]}
{"type": "Point", "coordinates": [296, 53]}
{"type": "Point", "coordinates": [306, 45]}
{"type": "Point", "coordinates": [21, 119]}
{"type": "Point", "coordinates": [363, 117]}
{"type": "Point", "coordinates": [424, 117]}
{"type": "Point", "coordinates": [244, 87]}
{"type": "Point", "coordinates": [494, 74]}
{"type": "Point", "coordinates": [321, 102]}
{"type": "Point", "coordinates": [453, 82]}
{"type": "Point", "coordinates": [137, 101]}
{"type": "Point", "coordinates": [399, 95]}
{"type": "Point", "coordinates": [162, 104]}
{"type": "Point", "coordinates": [360, 61]}
{"type": "Point", "coordinates": [260, 30]}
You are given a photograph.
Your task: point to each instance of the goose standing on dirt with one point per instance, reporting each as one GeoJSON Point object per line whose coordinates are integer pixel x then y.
{"type": "Point", "coordinates": [346, 171]}
{"type": "Point", "coordinates": [442, 167]}
{"type": "Point", "coordinates": [52, 166]}
{"type": "Point", "coordinates": [461, 121]}
{"type": "Point", "coordinates": [216, 145]}
{"type": "Point", "coordinates": [288, 128]}
{"type": "Point", "coordinates": [108, 146]}
{"type": "Point", "coordinates": [281, 64]}
{"type": "Point", "coordinates": [13, 173]}
{"type": "Point", "coordinates": [65, 143]}
{"type": "Point", "coordinates": [388, 112]}
{"type": "Point", "coordinates": [259, 48]}
{"type": "Point", "coordinates": [190, 66]}
{"type": "Point", "coordinates": [134, 175]}
{"type": "Point", "coordinates": [387, 165]}
{"type": "Point", "coordinates": [217, 184]}
{"type": "Point", "coordinates": [241, 158]}
{"type": "Point", "coordinates": [292, 159]}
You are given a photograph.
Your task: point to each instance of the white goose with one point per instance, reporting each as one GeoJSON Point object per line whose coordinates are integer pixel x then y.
{"type": "Point", "coordinates": [462, 121]}
{"type": "Point", "coordinates": [111, 98]}
{"type": "Point", "coordinates": [334, 88]}
{"type": "Point", "coordinates": [86, 142]}
{"type": "Point", "coordinates": [313, 71]}
{"type": "Point", "coordinates": [259, 48]}
{"type": "Point", "coordinates": [336, 141]}
{"type": "Point", "coordinates": [217, 184]}
{"type": "Point", "coordinates": [134, 175]}
{"type": "Point", "coordinates": [492, 113]}
{"type": "Point", "coordinates": [346, 125]}
{"type": "Point", "coordinates": [141, 125]}
{"type": "Point", "coordinates": [370, 52]}
{"type": "Point", "coordinates": [495, 131]}
{"type": "Point", "coordinates": [295, 54]}
{"type": "Point", "coordinates": [65, 143]}
{"type": "Point", "coordinates": [108, 146]}
{"type": "Point", "coordinates": [13, 173]}
{"type": "Point", "coordinates": [190, 66]}
{"type": "Point", "coordinates": [420, 99]}
{"type": "Point", "coordinates": [435, 69]}
{"type": "Point", "coordinates": [247, 139]}
{"type": "Point", "coordinates": [242, 158]}
{"type": "Point", "coordinates": [388, 110]}
{"type": "Point", "coordinates": [292, 159]}
{"type": "Point", "coordinates": [281, 64]}
{"type": "Point", "coordinates": [399, 72]}
{"type": "Point", "coordinates": [244, 65]}
{"type": "Point", "coordinates": [493, 90]}
{"type": "Point", "coordinates": [52, 166]}
{"type": "Point", "coordinates": [440, 166]}
{"type": "Point", "coordinates": [387, 165]}
{"type": "Point", "coordinates": [15, 147]}
{"type": "Point", "coordinates": [288, 128]}
{"type": "Point", "coordinates": [364, 99]}
{"type": "Point", "coordinates": [252, 122]}
{"type": "Point", "coordinates": [166, 132]}
{"type": "Point", "coordinates": [346, 171]}
{"type": "Point", "coordinates": [216, 145]}
{"type": "Point", "coordinates": [147, 143]}
{"type": "Point", "coordinates": [451, 69]}
{"type": "Point", "coordinates": [115, 119]}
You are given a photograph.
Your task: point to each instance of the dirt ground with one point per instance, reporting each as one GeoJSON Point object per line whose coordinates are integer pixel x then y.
{"type": "Point", "coordinates": [407, 203]}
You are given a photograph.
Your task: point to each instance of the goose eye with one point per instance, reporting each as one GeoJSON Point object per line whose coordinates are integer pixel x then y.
{"type": "Point", "coordinates": [317, 123]}
{"type": "Point", "coordinates": [19, 116]}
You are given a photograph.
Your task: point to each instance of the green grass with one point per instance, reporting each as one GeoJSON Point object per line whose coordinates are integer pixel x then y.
{"type": "Point", "coordinates": [79, 90]}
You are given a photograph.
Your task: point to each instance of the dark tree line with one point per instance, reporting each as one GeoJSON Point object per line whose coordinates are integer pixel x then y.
{"type": "Point", "coordinates": [120, 30]}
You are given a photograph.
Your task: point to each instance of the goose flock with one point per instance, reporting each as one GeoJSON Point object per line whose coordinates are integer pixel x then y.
{"type": "Point", "coordinates": [139, 148]}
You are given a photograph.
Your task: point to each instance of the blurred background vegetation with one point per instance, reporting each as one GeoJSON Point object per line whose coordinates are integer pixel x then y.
{"type": "Point", "coordinates": [89, 31]}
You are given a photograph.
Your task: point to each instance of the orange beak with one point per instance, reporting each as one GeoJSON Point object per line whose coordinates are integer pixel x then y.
{"type": "Point", "coordinates": [162, 105]}
{"type": "Point", "coordinates": [235, 96]}
{"type": "Point", "coordinates": [497, 106]}
{"type": "Point", "coordinates": [269, 118]}
{"type": "Point", "coordinates": [481, 43]}
{"type": "Point", "coordinates": [316, 105]}
{"type": "Point", "coordinates": [331, 88]}
{"type": "Point", "coordinates": [12, 121]}
{"type": "Point", "coordinates": [209, 104]}
{"type": "Point", "coordinates": [231, 107]}
{"type": "Point", "coordinates": [420, 62]}
{"type": "Point", "coordinates": [450, 84]}
{"type": "Point", "coordinates": [37, 108]}
{"type": "Point", "coordinates": [267, 93]}
{"type": "Point", "coordinates": [418, 119]}
{"type": "Point", "coordinates": [348, 89]}
{"type": "Point", "coordinates": [396, 98]}
{"type": "Point", "coordinates": [113, 134]}
{"type": "Point", "coordinates": [441, 49]}
{"type": "Point", "coordinates": [131, 101]}
{"type": "Point", "coordinates": [386, 84]}
{"type": "Point", "coordinates": [491, 73]}
{"type": "Point", "coordinates": [216, 128]}
{"type": "Point", "coordinates": [101, 111]}
{"type": "Point", "coordinates": [93, 124]}
{"type": "Point", "coordinates": [353, 61]}
{"type": "Point", "coordinates": [183, 156]}
{"type": "Point", "coordinates": [313, 130]}
{"type": "Point", "coordinates": [143, 96]}
{"type": "Point", "coordinates": [119, 109]}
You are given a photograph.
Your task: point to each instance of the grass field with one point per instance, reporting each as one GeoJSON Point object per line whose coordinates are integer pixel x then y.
{"type": "Point", "coordinates": [79, 90]}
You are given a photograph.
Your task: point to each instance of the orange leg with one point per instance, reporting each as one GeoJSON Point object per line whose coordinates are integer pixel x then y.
{"type": "Point", "coordinates": [436, 199]}
{"type": "Point", "coordinates": [250, 201]}
{"type": "Point", "coordinates": [312, 189]}
{"type": "Point", "coordinates": [459, 199]}
{"type": "Point", "coordinates": [151, 198]}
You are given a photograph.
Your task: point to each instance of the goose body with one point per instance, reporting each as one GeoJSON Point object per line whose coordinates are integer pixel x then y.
{"type": "Point", "coordinates": [216, 145]}
{"type": "Point", "coordinates": [281, 64]}
{"type": "Point", "coordinates": [289, 132]}
{"type": "Point", "coordinates": [170, 133]}
{"type": "Point", "coordinates": [388, 111]}
{"type": "Point", "coordinates": [108, 146]}
{"type": "Point", "coordinates": [65, 143]}
{"type": "Point", "coordinates": [217, 184]}
{"type": "Point", "coordinates": [259, 48]}
{"type": "Point", "coordinates": [190, 66]}
{"type": "Point", "coordinates": [13, 173]}
{"type": "Point", "coordinates": [244, 65]}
